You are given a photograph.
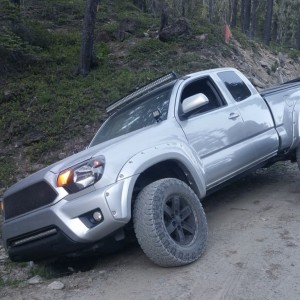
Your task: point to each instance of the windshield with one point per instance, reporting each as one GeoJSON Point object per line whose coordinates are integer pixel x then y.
{"type": "Point", "coordinates": [136, 115]}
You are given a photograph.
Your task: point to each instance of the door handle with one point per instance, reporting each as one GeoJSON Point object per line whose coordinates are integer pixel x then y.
{"type": "Point", "coordinates": [233, 116]}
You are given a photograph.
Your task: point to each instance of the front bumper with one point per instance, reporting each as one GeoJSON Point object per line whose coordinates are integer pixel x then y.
{"type": "Point", "coordinates": [64, 227]}
{"type": "Point", "coordinates": [54, 245]}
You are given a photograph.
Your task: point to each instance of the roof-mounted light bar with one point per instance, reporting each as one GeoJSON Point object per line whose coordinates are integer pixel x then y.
{"type": "Point", "coordinates": [155, 83]}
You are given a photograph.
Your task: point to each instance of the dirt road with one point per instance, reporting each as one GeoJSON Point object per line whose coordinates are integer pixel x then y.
{"type": "Point", "coordinates": [253, 252]}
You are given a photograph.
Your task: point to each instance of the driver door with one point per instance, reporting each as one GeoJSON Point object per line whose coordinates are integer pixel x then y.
{"type": "Point", "coordinates": [216, 134]}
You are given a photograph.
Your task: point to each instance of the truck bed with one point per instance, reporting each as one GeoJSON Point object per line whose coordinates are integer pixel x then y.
{"type": "Point", "coordinates": [290, 85]}
{"type": "Point", "coordinates": [281, 100]}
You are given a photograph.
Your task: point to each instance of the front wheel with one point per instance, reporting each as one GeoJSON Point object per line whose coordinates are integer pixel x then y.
{"type": "Point", "coordinates": [170, 223]}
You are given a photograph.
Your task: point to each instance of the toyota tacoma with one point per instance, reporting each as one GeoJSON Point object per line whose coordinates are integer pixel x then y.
{"type": "Point", "coordinates": [163, 148]}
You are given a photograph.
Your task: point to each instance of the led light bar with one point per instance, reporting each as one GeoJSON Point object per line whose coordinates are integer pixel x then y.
{"type": "Point", "coordinates": [155, 83]}
{"type": "Point", "coordinates": [34, 237]}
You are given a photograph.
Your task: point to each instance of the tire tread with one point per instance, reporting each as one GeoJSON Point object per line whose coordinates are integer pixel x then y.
{"type": "Point", "coordinates": [146, 217]}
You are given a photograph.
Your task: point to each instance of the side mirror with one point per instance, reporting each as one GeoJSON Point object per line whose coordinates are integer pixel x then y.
{"type": "Point", "coordinates": [193, 102]}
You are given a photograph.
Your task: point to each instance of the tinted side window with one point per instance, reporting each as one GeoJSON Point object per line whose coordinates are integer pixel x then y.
{"type": "Point", "coordinates": [204, 86]}
{"type": "Point", "coordinates": [235, 85]}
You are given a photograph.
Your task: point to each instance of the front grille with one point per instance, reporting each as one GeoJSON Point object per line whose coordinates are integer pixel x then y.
{"type": "Point", "coordinates": [28, 199]}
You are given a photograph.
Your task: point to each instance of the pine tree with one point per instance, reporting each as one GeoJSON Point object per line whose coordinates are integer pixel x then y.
{"type": "Point", "coordinates": [87, 45]}
{"type": "Point", "coordinates": [268, 22]}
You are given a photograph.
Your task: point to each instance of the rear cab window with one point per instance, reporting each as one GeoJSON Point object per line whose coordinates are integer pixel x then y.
{"type": "Point", "coordinates": [235, 85]}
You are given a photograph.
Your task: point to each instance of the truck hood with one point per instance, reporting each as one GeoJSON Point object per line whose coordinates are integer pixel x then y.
{"type": "Point", "coordinates": [116, 152]}
{"type": "Point", "coordinates": [124, 146]}
{"type": "Point", "coordinates": [119, 150]}
{"type": "Point", "coordinates": [54, 168]}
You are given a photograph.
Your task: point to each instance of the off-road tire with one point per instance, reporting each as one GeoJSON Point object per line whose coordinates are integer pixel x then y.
{"type": "Point", "coordinates": [170, 223]}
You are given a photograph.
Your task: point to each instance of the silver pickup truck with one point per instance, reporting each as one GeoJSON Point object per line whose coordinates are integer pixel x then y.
{"type": "Point", "coordinates": [162, 150]}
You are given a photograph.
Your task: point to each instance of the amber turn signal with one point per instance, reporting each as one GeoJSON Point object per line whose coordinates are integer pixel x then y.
{"type": "Point", "coordinates": [65, 178]}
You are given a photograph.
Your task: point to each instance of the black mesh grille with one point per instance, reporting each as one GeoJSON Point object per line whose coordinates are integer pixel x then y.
{"type": "Point", "coordinates": [30, 198]}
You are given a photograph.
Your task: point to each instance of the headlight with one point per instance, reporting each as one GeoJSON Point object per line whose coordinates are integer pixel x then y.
{"type": "Point", "coordinates": [81, 176]}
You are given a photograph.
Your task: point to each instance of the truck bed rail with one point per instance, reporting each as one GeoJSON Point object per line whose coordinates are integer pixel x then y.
{"type": "Point", "coordinates": [279, 88]}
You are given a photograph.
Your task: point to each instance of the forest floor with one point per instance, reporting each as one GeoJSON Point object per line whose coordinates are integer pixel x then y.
{"type": "Point", "coordinates": [253, 253]}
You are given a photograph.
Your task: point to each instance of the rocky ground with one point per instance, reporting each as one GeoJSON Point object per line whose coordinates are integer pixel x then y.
{"type": "Point", "coordinates": [253, 252]}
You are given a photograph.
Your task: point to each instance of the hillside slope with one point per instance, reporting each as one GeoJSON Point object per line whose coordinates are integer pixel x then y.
{"type": "Point", "coordinates": [47, 112]}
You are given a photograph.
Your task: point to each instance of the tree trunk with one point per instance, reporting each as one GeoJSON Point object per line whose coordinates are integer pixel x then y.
{"type": "Point", "coordinates": [275, 27]}
{"type": "Point", "coordinates": [234, 13]}
{"type": "Point", "coordinates": [211, 10]}
{"type": "Point", "coordinates": [298, 34]}
{"type": "Point", "coordinates": [228, 20]}
{"type": "Point", "coordinates": [254, 9]}
{"type": "Point", "coordinates": [140, 4]}
{"type": "Point", "coordinates": [268, 22]}
{"type": "Point", "coordinates": [87, 43]}
{"type": "Point", "coordinates": [17, 2]}
{"type": "Point", "coordinates": [243, 15]}
{"type": "Point", "coordinates": [247, 16]}
{"type": "Point", "coordinates": [164, 19]}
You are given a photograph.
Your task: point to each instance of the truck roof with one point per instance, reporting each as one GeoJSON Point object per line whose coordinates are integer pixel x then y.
{"type": "Point", "coordinates": [156, 83]}
{"type": "Point", "coordinates": [144, 89]}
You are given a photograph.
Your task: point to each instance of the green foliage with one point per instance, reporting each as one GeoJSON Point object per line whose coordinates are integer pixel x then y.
{"type": "Point", "coordinates": [38, 151]}
{"type": "Point", "coordinates": [57, 12]}
{"type": "Point", "coordinates": [274, 66]}
{"type": "Point", "coordinates": [7, 171]}
{"type": "Point", "coordinates": [9, 280]}
{"type": "Point", "coordinates": [243, 39]}
{"type": "Point", "coordinates": [110, 27]}
{"type": "Point", "coordinates": [22, 38]}
{"type": "Point", "coordinates": [214, 33]}
{"type": "Point", "coordinates": [124, 10]}
{"type": "Point", "coordinates": [102, 51]}
{"type": "Point", "coordinates": [34, 33]}
{"type": "Point", "coordinates": [149, 49]}
{"type": "Point", "coordinates": [11, 42]}
{"type": "Point", "coordinates": [8, 11]}
{"type": "Point", "coordinates": [294, 54]}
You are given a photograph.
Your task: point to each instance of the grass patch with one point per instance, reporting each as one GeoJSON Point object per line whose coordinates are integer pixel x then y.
{"type": "Point", "coordinates": [294, 54]}
{"type": "Point", "coordinates": [14, 274]}
{"type": "Point", "coordinates": [7, 171]}
{"type": "Point", "coordinates": [9, 282]}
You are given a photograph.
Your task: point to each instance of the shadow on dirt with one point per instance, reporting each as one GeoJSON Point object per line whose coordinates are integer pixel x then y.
{"type": "Point", "coordinates": [69, 265]}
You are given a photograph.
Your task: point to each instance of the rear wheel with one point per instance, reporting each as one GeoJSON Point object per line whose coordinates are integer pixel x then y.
{"type": "Point", "coordinates": [170, 223]}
